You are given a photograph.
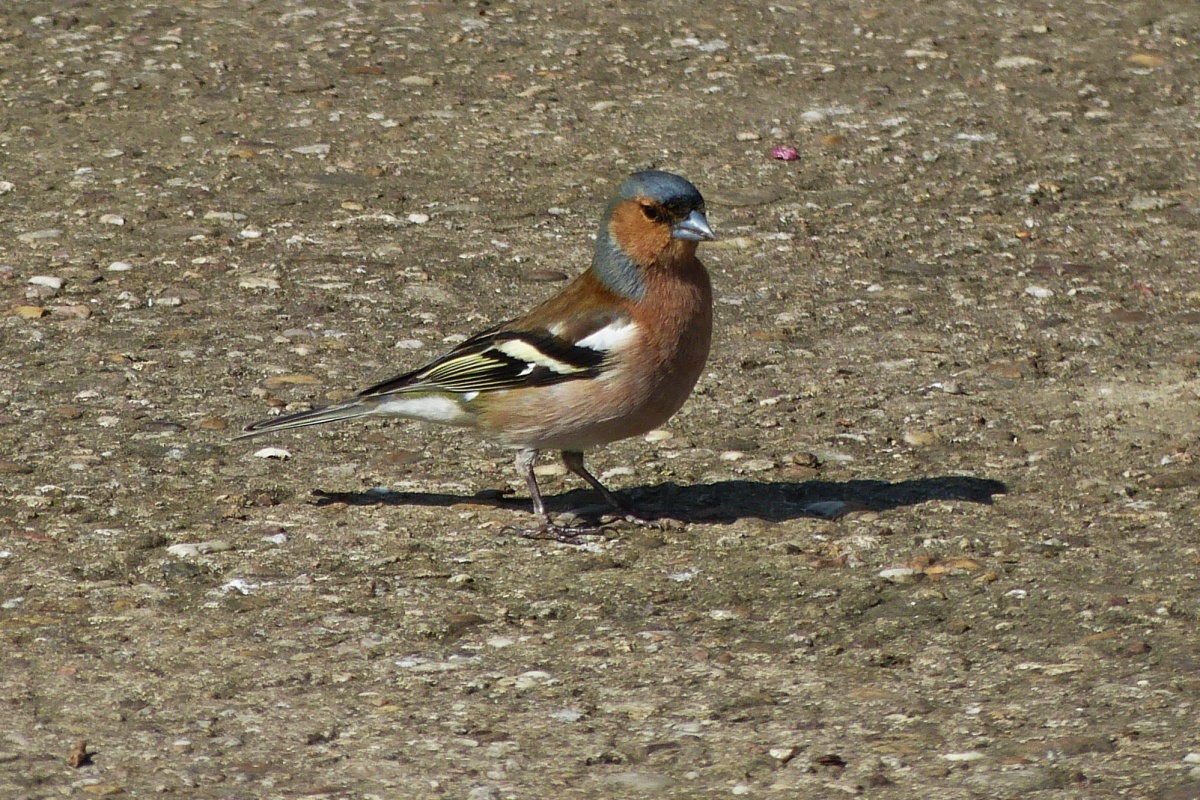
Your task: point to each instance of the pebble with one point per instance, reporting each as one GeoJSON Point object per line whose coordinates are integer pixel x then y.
{"type": "Point", "coordinates": [258, 282]}
{"type": "Point", "coordinates": [901, 574]}
{"type": "Point", "coordinates": [829, 509]}
{"type": "Point", "coordinates": [659, 435]}
{"type": "Point", "coordinates": [224, 216]}
{"type": "Point", "coordinates": [7, 186]}
{"type": "Point", "coordinates": [29, 312]}
{"type": "Point", "coordinates": [46, 233]}
{"type": "Point", "coordinates": [1016, 62]}
{"type": "Point", "coordinates": [192, 549]}
{"type": "Point", "coordinates": [640, 781]}
{"type": "Point", "coordinates": [747, 136]}
{"type": "Point", "coordinates": [813, 116]}
{"type": "Point", "coordinates": [418, 219]}
{"type": "Point", "coordinates": [49, 281]}
{"type": "Point", "coordinates": [112, 219]}
{"type": "Point", "coordinates": [784, 152]}
{"type": "Point", "coordinates": [249, 233]}
{"type": "Point", "coordinates": [970, 755]}
{"type": "Point", "coordinates": [484, 793]}
{"type": "Point", "coordinates": [312, 149]}
{"type": "Point", "coordinates": [919, 438]}
{"type": "Point", "coordinates": [273, 452]}
{"type": "Point", "coordinates": [783, 754]}
{"type": "Point", "coordinates": [74, 311]}
{"type": "Point", "coordinates": [120, 266]}
{"type": "Point", "coordinates": [1040, 292]}
{"type": "Point", "coordinates": [1192, 758]}
{"type": "Point", "coordinates": [758, 465]}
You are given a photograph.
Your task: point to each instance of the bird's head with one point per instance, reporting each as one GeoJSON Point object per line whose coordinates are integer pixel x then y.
{"type": "Point", "coordinates": [654, 219]}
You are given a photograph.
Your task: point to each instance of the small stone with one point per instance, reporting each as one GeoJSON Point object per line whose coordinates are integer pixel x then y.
{"type": "Point", "coordinates": [640, 781]}
{"type": "Point", "coordinates": [829, 509]}
{"type": "Point", "coordinates": [901, 574]}
{"type": "Point", "coordinates": [747, 136]}
{"type": "Point", "coordinates": [970, 755]}
{"type": "Point", "coordinates": [1016, 62]}
{"type": "Point", "coordinates": [1040, 292]}
{"type": "Point", "coordinates": [783, 754]}
{"type": "Point", "coordinates": [919, 438]}
{"type": "Point", "coordinates": [659, 435]}
{"type": "Point", "coordinates": [813, 116]}
{"type": "Point", "coordinates": [258, 282]}
{"type": "Point", "coordinates": [312, 150]}
{"type": "Point", "coordinates": [785, 152]}
{"type": "Point", "coordinates": [75, 311]}
{"type": "Point", "coordinates": [295, 379]}
{"type": "Point", "coordinates": [758, 465]}
{"type": "Point", "coordinates": [112, 219]}
{"type": "Point", "coordinates": [273, 452]}
{"type": "Point", "coordinates": [120, 266]}
{"type": "Point", "coordinates": [46, 233]}
{"type": "Point", "coordinates": [549, 470]}
{"type": "Point", "coordinates": [546, 275]}
{"type": "Point", "coordinates": [418, 219]}
{"type": "Point", "coordinates": [7, 186]}
{"type": "Point", "coordinates": [249, 233]}
{"type": "Point", "coordinates": [416, 80]}
{"type": "Point", "coordinates": [49, 281]}
{"type": "Point", "coordinates": [29, 312]}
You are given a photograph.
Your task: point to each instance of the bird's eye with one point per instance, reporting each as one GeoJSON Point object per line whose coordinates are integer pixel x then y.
{"type": "Point", "coordinates": [654, 213]}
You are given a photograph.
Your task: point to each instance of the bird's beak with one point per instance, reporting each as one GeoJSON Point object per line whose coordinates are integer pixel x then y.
{"type": "Point", "coordinates": [694, 228]}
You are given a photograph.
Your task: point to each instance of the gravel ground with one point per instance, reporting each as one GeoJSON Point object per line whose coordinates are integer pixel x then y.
{"type": "Point", "coordinates": [928, 523]}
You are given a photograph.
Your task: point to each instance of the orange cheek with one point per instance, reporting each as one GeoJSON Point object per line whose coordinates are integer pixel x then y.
{"type": "Point", "coordinates": [642, 240]}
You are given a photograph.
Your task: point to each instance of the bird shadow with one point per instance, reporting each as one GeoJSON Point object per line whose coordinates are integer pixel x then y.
{"type": "Point", "coordinates": [718, 502]}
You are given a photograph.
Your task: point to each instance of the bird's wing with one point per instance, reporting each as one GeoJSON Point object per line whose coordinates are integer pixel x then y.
{"type": "Point", "coordinates": [510, 356]}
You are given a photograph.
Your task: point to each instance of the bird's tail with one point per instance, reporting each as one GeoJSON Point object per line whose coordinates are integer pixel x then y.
{"type": "Point", "coordinates": [316, 416]}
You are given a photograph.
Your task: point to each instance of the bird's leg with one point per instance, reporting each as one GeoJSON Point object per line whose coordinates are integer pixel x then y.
{"type": "Point", "coordinates": [562, 533]}
{"type": "Point", "coordinates": [573, 460]}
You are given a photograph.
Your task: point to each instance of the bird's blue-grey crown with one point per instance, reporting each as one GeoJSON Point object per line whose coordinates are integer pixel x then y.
{"type": "Point", "coordinates": [678, 196]}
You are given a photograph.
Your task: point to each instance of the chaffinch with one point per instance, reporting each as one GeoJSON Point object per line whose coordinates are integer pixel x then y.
{"type": "Point", "coordinates": [613, 355]}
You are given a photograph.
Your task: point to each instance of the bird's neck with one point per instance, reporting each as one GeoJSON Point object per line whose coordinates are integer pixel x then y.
{"type": "Point", "coordinates": [617, 270]}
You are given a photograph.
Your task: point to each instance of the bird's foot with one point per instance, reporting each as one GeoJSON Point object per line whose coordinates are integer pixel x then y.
{"type": "Point", "coordinates": [566, 534]}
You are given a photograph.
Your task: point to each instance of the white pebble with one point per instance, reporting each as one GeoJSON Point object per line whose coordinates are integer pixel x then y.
{"type": "Point", "coordinates": [49, 281]}
{"type": "Point", "coordinates": [7, 186]}
{"type": "Point", "coordinates": [813, 116]}
{"type": "Point", "coordinates": [276, 538]}
{"type": "Point", "coordinates": [418, 219]}
{"type": "Point", "coordinates": [900, 574]}
{"type": "Point", "coordinates": [250, 233]}
{"type": "Point", "coordinates": [567, 715]}
{"type": "Point", "coordinates": [1040, 292]}
{"type": "Point", "coordinates": [659, 435]}
{"type": "Point", "coordinates": [258, 282]}
{"type": "Point", "coordinates": [108, 421]}
{"type": "Point", "coordinates": [272, 452]}
{"type": "Point", "coordinates": [970, 755]}
{"type": "Point", "coordinates": [120, 266]}
{"type": "Point", "coordinates": [112, 219]}
{"type": "Point", "coordinates": [312, 150]}
{"type": "Point", "coordinates": [45, 233]}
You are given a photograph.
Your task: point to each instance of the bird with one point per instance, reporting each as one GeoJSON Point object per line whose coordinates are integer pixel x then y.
{"type": "Point", "coordinates": [613, 355]}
